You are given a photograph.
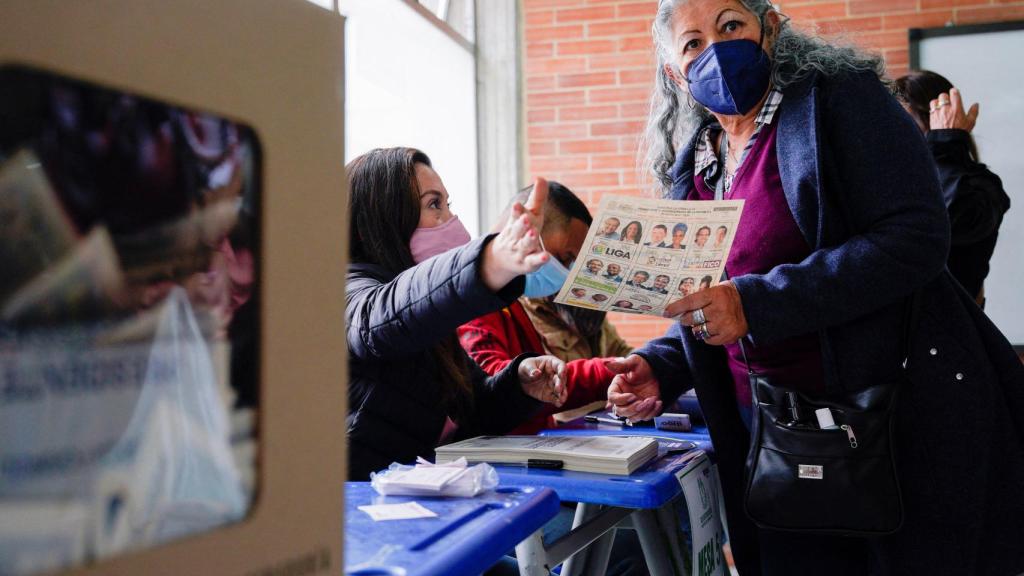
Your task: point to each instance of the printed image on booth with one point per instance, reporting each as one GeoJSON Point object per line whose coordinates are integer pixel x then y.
{"type": "Point", "coordinates": [128, 321]}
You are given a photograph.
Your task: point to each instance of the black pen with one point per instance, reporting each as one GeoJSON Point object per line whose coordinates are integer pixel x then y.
{"type": "Point", "coordinates": [545, 464]}
{"type": "Point", "coordinates": [604, 420]}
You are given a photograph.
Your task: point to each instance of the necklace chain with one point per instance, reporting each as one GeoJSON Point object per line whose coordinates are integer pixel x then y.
{"type": "Point", "coordinates": [726, 175]}
{"type": "Point", "coordinates": [728, 153]}
{"type": "Point", "coordinates": [732, 155]}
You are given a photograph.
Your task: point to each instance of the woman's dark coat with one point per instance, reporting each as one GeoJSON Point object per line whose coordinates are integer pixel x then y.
{"type": "Point", "coordinates": [976, 202]}
{"type": "Point", "coordinates": [394, 394]}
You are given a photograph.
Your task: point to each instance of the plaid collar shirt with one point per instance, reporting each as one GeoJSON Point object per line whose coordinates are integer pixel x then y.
{"type": "Point", "coordinates": [706, 161]}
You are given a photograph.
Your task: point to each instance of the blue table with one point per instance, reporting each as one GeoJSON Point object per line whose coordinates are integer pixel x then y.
{"type": "Point", "coordinates": [650, 487]}
{"type": "Point", "coordinates": [468, 536]}
{"type": "Point", "coordinates": [605, 502]}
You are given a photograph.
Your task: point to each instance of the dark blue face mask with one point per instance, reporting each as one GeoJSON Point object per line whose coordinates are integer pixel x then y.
{"type": "Point", "coordinates": [730, 77]}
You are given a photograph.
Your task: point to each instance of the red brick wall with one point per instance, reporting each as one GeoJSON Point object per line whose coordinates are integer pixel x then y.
{"type": "Point", "coordinates": [589, 72]}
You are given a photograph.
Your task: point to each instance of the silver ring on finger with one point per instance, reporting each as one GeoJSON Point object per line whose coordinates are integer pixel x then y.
{"type": "Point", "coordinates": [698, 316]}
{"type": "Point", "coordinates": [701, 331]}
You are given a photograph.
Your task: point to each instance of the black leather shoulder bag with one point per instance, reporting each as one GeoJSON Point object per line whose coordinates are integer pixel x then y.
{"type": "Point", "coordinates": [841, 480]}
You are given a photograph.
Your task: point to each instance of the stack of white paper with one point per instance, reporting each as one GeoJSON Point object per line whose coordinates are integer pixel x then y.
{"type": "Point", "coordinates": [601, 454]}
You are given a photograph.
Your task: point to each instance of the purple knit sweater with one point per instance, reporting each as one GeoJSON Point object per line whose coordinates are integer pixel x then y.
{"type": "Point", "coordinates": [767, 236]}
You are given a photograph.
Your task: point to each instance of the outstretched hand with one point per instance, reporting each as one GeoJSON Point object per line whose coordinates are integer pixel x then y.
{"type": "Point", "coordinates": [543, 378]}
{"type": "Point", "coordinates": [517, 249]}
{"type": "Point", "coordinates": [634, 392]}
{"type": "Point", "coordinates": [535, 202]}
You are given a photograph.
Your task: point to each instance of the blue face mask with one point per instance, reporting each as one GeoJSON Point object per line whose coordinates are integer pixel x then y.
{"type": "Point", "coordinates": [730, 77]}
{"type": "Point", "coordinates": [547, 280]}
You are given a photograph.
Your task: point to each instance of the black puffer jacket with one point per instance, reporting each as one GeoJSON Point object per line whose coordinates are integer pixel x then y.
{"type": "Point", "coordinates": [393, 323]}
{"type": "Point", "coordinates": [976, 202]}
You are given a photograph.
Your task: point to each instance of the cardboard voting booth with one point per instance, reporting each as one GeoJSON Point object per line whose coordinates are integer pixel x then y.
{"type": "Point", "coordinates": [173, 245]}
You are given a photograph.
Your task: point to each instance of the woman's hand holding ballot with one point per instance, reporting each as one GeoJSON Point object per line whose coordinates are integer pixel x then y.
{"type": "Point", "coordinates": [714, 314]}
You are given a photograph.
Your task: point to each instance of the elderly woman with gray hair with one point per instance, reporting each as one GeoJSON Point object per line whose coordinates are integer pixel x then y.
{"type": "Point", "coordinates": [843, 234]}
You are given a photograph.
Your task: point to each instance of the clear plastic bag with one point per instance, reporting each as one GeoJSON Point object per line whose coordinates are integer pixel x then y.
{"type": "Point", "coordinates": [140, 431]}
{"type": "Point", "coordinates": [427, 479]}
{"type": "Point", "coordinates": [180, 477]}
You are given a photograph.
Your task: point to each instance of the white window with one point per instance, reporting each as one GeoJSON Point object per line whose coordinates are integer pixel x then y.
{"type": "Point", "coordinates": [411, 81]}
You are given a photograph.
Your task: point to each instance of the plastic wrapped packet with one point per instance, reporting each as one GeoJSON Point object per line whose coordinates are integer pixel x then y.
{"type": "Point", "coordinates": [427, 479]}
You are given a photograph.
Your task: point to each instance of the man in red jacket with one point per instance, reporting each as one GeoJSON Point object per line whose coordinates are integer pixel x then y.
{"type": "Point", "coordinates": [576, 335]}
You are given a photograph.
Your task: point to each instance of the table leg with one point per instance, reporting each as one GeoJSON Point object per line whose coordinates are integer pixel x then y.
{"type": "Point", "coordinates": [531, 555]}
{"type": "Point", "coordinates": [573, 567]}
{"type": "Point", "coordinates": [673, 534]}
{"type": "Point", "coordinates": [657, 554]}
{"type": "Point", "coordinates": [721, 499]}
{"type": "Point", "coordinates": [598, 553]}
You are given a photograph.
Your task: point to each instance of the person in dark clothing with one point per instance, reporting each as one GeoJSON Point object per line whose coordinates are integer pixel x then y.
{"type": "Point", "coordinates": [412, 281]}
{"type": "Point", "coordinates": [974, 195]}
{"type": "Point", "coordinates": [843, 226]}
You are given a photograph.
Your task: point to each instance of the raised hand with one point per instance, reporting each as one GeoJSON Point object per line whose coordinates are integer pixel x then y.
{"type": "Point", "coordinates": [543, 378]}
{"type": "Point", "coordinates": [536, 201]}
{"type": "Point", "coordinates": [634, 392]}
{"type": "Point", "coordinates": [947, 111]}
{"type": "Point", "coordinates": [723, 319]}
{"type": "Point", "coordinates": [517, 249]}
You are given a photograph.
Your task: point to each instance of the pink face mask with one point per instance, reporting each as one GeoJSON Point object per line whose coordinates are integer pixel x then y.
{"type": "Point", "coordinates": [428, 242]}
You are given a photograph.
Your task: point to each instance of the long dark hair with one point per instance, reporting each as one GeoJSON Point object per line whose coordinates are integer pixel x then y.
{"type": "Point", "coordinates": [918, 89]}
{"type": "Point", "coordinates": [384, 208]}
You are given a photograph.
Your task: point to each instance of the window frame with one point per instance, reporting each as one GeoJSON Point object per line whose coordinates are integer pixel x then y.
{"type": "Point", "coordinates": [441, 24]}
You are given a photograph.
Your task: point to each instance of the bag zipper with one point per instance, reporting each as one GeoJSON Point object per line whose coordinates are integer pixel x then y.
{"type": "Point", "coordinates": [850, 435]}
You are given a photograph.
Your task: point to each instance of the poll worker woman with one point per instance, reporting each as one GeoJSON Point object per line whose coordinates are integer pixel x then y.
{"type": "Point", "coordinates": [415, 277]}
{"type": "Point", "coordinates": [843, 223]}
{"type": "Point", "coordinates": [974, 195]}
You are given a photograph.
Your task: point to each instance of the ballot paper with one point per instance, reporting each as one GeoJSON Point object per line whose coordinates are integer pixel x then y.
{"type": "Point", "coordinates": [600, 454]}
{"type": "Point", "coordinates": [455, 478]}
{"type": "Point", "coordinates": [642, 254]}
{"type": "Point", "coordinates": [432, 478]}
{"type": "Point", "coordinates": [403, 511]}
